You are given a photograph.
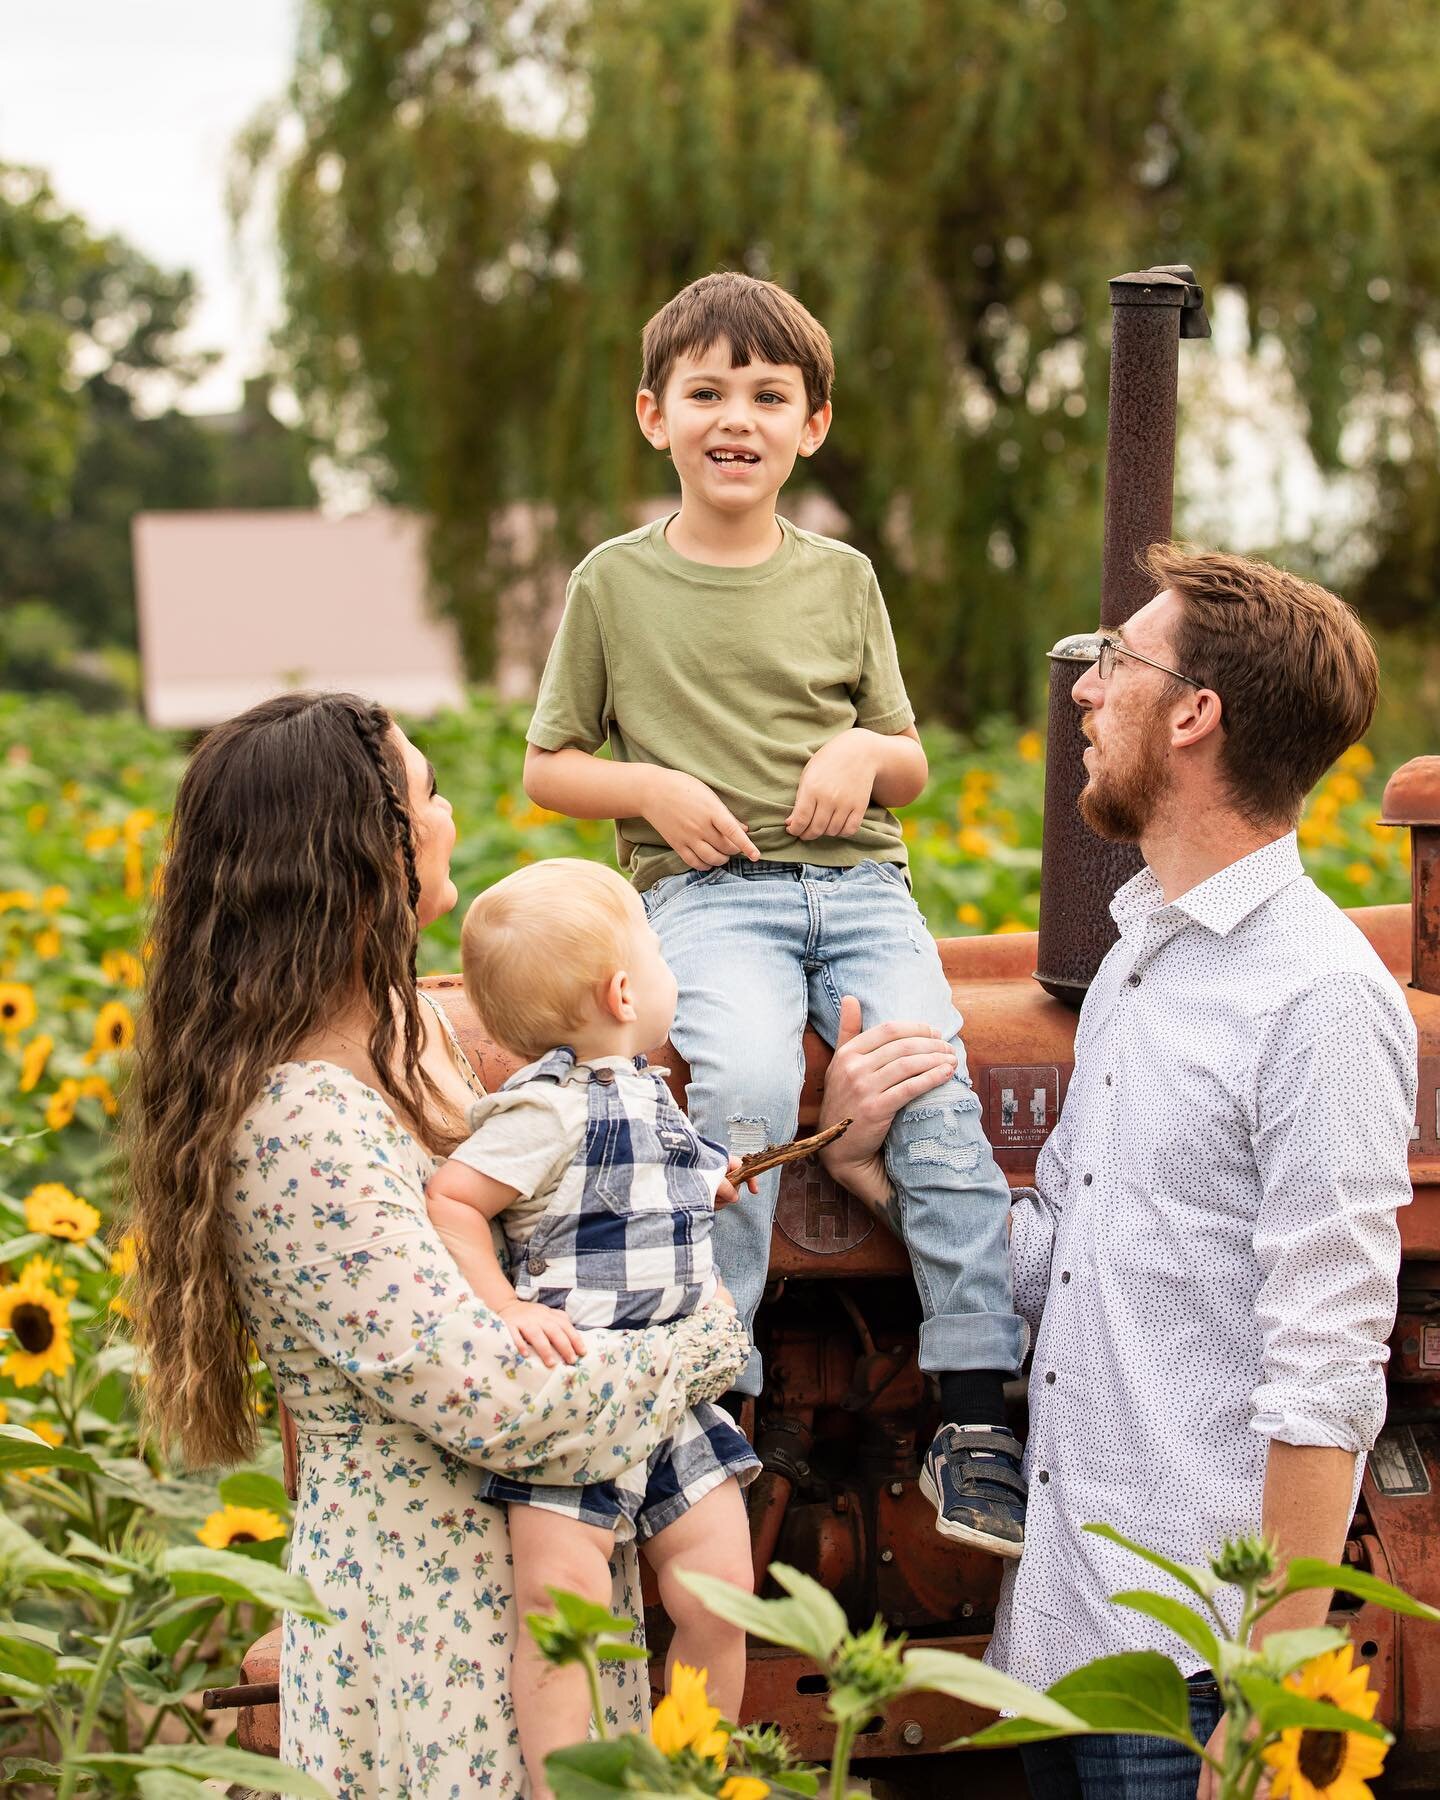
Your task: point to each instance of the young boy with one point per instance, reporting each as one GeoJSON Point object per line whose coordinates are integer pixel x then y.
{"type": "Point", "coordinates": [744, 676]}
{"type": "Point", "coordinates": [605, 1195]}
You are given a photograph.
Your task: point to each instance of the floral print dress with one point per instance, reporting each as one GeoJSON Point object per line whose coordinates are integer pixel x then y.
{"type": "Point", "coordinates": [405, 1389]}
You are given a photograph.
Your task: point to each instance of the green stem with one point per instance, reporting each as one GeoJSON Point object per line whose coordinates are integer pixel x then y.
{"type": "Point", "coordinates": [592, 1678]}
{"type": "Point", "coordinates": [840, 1762]}
{"type": "Point", "coordinates": [94, 1697]}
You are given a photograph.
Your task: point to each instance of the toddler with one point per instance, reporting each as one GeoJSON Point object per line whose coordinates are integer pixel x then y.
{"type": "Point", "coordinates": [605, 1196]}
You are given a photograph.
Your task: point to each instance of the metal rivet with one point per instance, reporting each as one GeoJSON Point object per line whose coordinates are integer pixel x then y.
{"type": "Point", "coordinates": [912, 1733]}
{"type": "Point", "coordinates": [967, 1610]}
{"type": "Point", "coordinates": [887, 1556]}
{"type": "Point", "coordinates": [897, 1488]}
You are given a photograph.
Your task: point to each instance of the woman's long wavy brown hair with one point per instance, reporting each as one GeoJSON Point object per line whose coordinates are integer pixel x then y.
{"type": "Point", "coordinates": [289, 879]}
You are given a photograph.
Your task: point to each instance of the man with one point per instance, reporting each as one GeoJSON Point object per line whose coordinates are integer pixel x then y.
{"type": "Point", "coordinates": [1209, 1257]}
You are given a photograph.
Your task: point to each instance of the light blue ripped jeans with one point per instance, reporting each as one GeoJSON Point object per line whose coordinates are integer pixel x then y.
{"type": "Point", "coordinates": [760, 948]}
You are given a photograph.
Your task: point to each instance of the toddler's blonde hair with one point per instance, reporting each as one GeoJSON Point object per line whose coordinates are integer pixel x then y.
{"type": "Point", "coordinates": [536, 948]}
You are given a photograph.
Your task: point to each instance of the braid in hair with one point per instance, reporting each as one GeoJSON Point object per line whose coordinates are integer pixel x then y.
{"type": "Point", "coordinates": [412, 1082]}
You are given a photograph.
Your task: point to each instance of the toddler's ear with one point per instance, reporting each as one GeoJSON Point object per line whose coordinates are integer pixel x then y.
{"type": "Point", "coordinates": [617, 999]}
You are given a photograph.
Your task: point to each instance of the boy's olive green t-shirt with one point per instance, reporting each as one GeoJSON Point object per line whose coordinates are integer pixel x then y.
{"type": "Point", "coordinates": [735, 676]}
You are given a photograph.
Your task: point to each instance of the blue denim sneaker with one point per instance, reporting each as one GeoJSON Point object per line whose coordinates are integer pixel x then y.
{"type": "Point", "coordinates": [972, 1477]}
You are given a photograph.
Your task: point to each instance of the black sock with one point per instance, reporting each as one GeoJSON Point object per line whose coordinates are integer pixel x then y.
{"type": "Point", "coordinates": [973, 1397]}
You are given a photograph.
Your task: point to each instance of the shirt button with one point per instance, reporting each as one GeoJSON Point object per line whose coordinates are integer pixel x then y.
{"type": "Point", "coordinates": [537, 1265]}
{"type": "Point", "coordinates": [1088, 1180]}
{"type": "Point", "coordinates": [1064, 1273]}
{"type": "Point", "coordinates": [1134, 980]}
{"type": "Point", "coordinates": [1049, 1378]}
{"type": "Point", "coordinates": [1044, 1476]}
{"type": "Point", "coordinates": [1109, 1081]}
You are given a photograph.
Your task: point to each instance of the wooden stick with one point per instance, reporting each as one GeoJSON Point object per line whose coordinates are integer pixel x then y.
{"type": "Point", "coordinates": [773, 1155]}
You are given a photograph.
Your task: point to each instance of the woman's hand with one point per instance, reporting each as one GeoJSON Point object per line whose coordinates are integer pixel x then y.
{"type": "Point", "coordinates": [544, 1330]}
{"type": "Point", "coordinates": [693, 821]}
{"type": "Point", "coordinates": [871, 1076]}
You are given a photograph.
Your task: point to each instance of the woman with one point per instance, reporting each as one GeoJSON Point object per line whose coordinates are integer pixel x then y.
{"type": "Point", "coordinates": [292, 1092]}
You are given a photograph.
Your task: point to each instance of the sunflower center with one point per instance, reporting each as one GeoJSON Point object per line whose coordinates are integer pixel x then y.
{"type": "Point", "coordinates": [1322, 1756]}
{"type": "Point", "coordinates": [243, 1537]}
{"type": "Point", "coordinates": [33, 1327]}
{"type": "Point", "coordinates": [8, 1009]}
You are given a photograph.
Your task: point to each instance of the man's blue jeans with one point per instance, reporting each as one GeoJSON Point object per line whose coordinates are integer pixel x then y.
{"type": "Point", "coordinates": [1116, 1767]}
{"type": "Point", "coordinates": [760, 948]}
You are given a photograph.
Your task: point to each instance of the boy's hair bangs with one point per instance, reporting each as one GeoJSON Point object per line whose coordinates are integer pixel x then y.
{"type": "Point", "coordinates": [758, 320]}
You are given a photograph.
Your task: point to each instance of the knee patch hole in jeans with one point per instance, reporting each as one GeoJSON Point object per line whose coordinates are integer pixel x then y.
{"type": "Point", "coordinates": [933, 1135]}
{"type": "Point", "coordinates": [746, 1135]}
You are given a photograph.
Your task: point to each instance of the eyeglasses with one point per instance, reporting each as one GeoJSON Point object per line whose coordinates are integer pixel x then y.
{"type": "Point", "coordinates": [1108, 647]}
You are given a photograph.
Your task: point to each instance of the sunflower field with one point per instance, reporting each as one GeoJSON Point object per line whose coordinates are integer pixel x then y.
{"type": "Point", "coordinates": [83, 807]}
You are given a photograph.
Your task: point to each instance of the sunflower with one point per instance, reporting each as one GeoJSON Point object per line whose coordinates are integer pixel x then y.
{"type": "Point", "coordinates": [16, 900]}
{"type": "Point", "coordinates": [96, 1087]}
{"type": "Point", "coordinates": [1328, 1765]}
{"type": "Point", "coordinates": [103, 837]}
{"type": "Point", "coordinates": [53, 1209]}
{"type": "Point", "coordinates": [48, 944]}
{"type": "Point", "coordinates": [55, 899]}
{"type": "Point", "coordinates": [123, 968]}
{"type": "Point", "coordinates": [685, 1719]}
{"type": "Point", "coordinates": [17, 1007]}
{"type": "Point", "coordinates": [33, 1060]}
{"type": "Point", "coordinates": [241, 1525]}
{"type": "Point", "coordinates": [123, 1256]}
{"type": "Point", "coordinates": [114, 1030]}
{"type": "Point", "coordinates": [60, 1108]}
{"type": "Point", "coordinates": [38, 1319]}
{"type": "Point", "coordinates": [134, 871]}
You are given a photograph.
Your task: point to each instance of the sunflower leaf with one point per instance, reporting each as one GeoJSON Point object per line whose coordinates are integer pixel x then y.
{"type": "Point", "coordinates": [967, 1678]}
{"type": "Point", "coordinates": [1176, 1616]}
{"type": "Point", "coordinates": [1278, 1708]}
{"type": "Point", "coordinates": [22, 1449]}
{"type": "Point", "coordinates": [31, 1565]}
{"type": "Point", "coordinates": [193, 1569]}
{"type": "Point", "coordinates": [1306, 1572]}
{"type": "Point", "coordinates": [1283, 1651]}
{"type": "Point", "coordinates": [251, 1487]}
{"type": "Point", "coordinates": [1200, 1582]}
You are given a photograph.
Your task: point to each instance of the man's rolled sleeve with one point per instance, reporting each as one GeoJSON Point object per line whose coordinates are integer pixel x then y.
{"type": "Point", "coordinates": [1335, 1100]}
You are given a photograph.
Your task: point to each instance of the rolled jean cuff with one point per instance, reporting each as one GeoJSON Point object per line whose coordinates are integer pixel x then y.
{"type": "Point", "coordinates": [751, 1378]}
{"type": "Point", "coordinates": [973, 1341]}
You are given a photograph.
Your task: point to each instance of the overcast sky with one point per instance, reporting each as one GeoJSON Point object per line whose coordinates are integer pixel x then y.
{"type": "Point", "coordinates": [131, 107]}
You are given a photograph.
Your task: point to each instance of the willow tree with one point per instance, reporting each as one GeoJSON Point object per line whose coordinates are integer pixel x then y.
{"type": "Point", "coordinates": [482, 200]}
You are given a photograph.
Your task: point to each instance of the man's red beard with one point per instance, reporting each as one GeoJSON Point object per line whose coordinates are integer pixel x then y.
{"type": "Point", "coordinates": [1121, 805]}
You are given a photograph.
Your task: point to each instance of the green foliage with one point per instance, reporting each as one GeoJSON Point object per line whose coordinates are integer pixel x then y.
{"type": "Point", "coordinates": [487, 200]}
{"type": "Point", "coordinates": [88, 343]}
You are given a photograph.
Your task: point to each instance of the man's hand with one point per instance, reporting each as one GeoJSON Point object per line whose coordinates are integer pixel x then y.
{"type": "Point", "coordinates": [693, 821]}
{"type": "Point", "coordinates": [545, 1331]}
{"type": "Point", "coordinates": [871, 1076]}
{"type": "Point", "coordinates": [1209, 1786]}
{"type": "Point", "coordinates": [835, 788]}
{"type": "Point", "coordinates": [725, 1194]}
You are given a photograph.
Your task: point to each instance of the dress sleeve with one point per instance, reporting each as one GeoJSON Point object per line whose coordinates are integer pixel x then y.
{"type": "Point", "coordinates": [329, 1200]}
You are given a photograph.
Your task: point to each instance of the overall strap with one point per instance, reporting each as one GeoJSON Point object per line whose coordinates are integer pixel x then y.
{"type": "Point", "coordinates": [553, 1067]}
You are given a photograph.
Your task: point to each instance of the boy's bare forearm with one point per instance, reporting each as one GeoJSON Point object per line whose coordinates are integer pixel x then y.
{"type": "Point", "coordinates": [583, 786]}
{"type": "Point", "coordinates": [901, 767]}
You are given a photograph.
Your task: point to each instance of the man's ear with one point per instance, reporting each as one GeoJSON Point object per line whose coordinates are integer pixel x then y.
{"type": "Point", "coordinates": [652, 421]}
{"type": "Point", "coordinates": [816, 427]}
{"type": "Point", "coordinates": [616, 998]}
{"type": "Point", "coordinates": [1199, 717]}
